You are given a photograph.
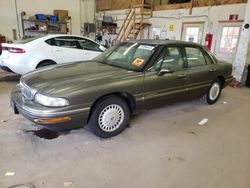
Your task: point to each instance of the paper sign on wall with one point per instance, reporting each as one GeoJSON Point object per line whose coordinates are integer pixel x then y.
{"type": "Point", "coordinates": [171, 28]}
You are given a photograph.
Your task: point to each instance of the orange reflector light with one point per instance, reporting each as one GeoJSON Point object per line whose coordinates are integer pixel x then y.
{"type": "Point", "coordinates": [53, 120]}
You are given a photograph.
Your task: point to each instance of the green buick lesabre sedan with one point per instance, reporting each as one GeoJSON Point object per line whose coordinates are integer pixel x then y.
{"type": "Point", "coordinates": [130, 77]}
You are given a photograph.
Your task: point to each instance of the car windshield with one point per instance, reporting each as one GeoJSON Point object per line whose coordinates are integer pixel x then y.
{"type": "Point", "coordinates": [130, 56]}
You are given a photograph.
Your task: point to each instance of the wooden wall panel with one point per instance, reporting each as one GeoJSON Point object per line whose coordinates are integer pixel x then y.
{"type": "Point", "coordinates": [102, 5]}
{"type": "Point", "coordinates": [200, 3]}
{"type": "Point", "coordinates": [125, 4]}
{"type": "Point", "coordinates": [172, 6]}
{"type": "Point", "coordinates": [120, 4]}
{"type": "Point", "coordinates": [157, 2]}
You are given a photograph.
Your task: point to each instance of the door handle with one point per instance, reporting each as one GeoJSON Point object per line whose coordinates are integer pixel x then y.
{"type": "Point", "coordinates": [212, 70]}
{"type": "Point", "coordinates": [58, 50]}
{"type": "Point", "coordinates": [181, 75]}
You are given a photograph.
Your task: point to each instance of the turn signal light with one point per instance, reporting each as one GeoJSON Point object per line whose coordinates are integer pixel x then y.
{"type": "Point", "coordinates": [53, 120]}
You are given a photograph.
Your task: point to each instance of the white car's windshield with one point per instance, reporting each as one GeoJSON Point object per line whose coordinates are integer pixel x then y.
{"type": "Point", "coordinates": [130, 56]}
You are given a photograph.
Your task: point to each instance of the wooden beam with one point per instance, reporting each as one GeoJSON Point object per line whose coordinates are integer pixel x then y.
{"type": "Point", "coordinates": [103, 5]}
{"type": "Point", "coordinates": [201, 3]}
{"type": "Point", "coordinates": [191, 7]}
{"type": "Point", "coordinates": [172, 6]}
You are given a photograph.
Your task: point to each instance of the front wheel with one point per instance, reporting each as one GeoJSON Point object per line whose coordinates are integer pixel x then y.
{"type": "Point", "coordinates": [214, 92]}
{"type": "Point", "coordinates": [109, 117]}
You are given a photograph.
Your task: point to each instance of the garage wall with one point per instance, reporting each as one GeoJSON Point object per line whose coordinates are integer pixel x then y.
{"type": "Point", "coordinates": [210, 15]}
{"type": "Point", "coordinates": [163, 19]}
{"type": "Point", "coordinates": [75, 7]}
{"type": "Point", "coordinates": [7, 18]}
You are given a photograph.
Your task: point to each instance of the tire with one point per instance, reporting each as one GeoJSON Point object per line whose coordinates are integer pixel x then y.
{"type": "Point", "coordinates": [45, 63]}
{"type": "Point", "coordinates": [110, 117]}
{"type": "Point", "coordinates": [214, 92]}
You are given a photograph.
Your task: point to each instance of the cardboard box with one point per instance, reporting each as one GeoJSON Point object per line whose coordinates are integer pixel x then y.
{"type": "Point", "coordinates": [2, 39]}
{"type": "Point", "coordinates": [62, 15]}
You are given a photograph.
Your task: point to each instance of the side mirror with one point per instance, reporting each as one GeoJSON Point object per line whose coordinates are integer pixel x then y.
{"type": "Point", "coordinates": [164, 71]}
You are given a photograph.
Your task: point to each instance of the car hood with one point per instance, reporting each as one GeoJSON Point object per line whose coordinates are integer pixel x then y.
{"type": "Point", "coordinates": [63, 79]}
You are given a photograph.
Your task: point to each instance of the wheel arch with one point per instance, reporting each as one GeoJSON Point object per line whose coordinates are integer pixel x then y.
{"type": "Point", "coordinates": [127, 97]}
{"type": "Point", "coordinates": [222, 79]}
{"type": "Point", "coordinates": [42, 61]}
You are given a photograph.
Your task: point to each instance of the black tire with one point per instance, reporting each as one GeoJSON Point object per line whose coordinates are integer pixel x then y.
{"type": "Point", "coordinates": [214, 92]}
{"type": "Point", "coordinates": [45, 63]}
{"type": "Point", "coordinates": [103, 111]}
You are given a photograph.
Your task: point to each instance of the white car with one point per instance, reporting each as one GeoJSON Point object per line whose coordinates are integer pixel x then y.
{"type": "Point", "coordinates": [27, 55]}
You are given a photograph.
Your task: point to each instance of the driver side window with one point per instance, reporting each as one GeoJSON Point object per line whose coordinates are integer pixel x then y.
{"type": "Point", "coordinates": [170, 58]}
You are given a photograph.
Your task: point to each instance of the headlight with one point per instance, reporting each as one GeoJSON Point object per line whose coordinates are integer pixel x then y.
{"type": "Point", "coordinates": [50, 101]}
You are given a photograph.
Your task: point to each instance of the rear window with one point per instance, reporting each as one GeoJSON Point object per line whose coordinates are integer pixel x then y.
{"type": "Point", "coordinates": [25, 41]}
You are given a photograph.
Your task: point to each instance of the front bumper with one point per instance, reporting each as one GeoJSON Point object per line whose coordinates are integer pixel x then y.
{"type": "Point", "coordinates": [36, 112]}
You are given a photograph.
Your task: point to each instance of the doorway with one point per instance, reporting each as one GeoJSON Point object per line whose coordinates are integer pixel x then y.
{"type": "Point", "coordinates": [192, 32]}
{"type": "Point", "coordinates": [227, 40]}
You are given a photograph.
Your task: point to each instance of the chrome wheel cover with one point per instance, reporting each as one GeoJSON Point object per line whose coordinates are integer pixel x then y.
{"type": "Point", "coordinates": [214, 91]}
{"type": "Point", "coordinates": [111, 117]}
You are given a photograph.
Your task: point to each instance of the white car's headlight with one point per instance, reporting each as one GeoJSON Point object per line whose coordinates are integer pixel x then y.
{"type": "Point", "coordinates": [50, 101]}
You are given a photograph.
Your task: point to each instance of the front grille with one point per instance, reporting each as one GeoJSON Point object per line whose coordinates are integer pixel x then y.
{"type": "Point", "coordinates": [26, 91]}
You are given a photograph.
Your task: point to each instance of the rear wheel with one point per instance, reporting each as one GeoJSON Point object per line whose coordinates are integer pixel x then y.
{"type": "Point", "coordinates": [214, 92]}
{"type": "Point", "coordinates": [45, 63]}
{"type": "Point", "coordinates": [109, 117]}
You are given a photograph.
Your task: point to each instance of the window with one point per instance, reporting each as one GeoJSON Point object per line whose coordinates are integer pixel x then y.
{"type": "Point", "coordinates": [170, 58]}
{"type": "Point", "coordinates": [229, 39]}
{"type": "Point", "coordinates": [65, 42]}
{"type": "Point", "coordinates": [130, 56]}
{"type": "Point", "coordinates": [194, 57]}
{"type": "Point", "coordinates": [207, 58]}
{"type": "Point", "coordinates": [192, 34]}
{"type": "Point", "coordinates": [50, 42]}
{"type": "Point", "coordinates": [89, 45]}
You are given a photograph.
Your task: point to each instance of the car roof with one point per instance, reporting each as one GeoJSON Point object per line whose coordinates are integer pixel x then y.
{"type": "Point", "coordinates": [60, 35]}
{"type": "Point", "coordinates": [162, 42]}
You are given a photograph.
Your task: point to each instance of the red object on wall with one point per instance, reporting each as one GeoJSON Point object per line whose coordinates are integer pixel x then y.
{"type": "Point", "coordinates": [208, 41]}
{"type": "Point", "coordinates": [233, 17]}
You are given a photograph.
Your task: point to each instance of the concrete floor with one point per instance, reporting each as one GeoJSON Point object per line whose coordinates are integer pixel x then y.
{"type": "Point", "coordinates": [162, 148]}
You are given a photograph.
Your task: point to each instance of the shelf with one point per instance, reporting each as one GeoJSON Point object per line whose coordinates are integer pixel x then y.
{"type": "Point", "coordinates": [58, 32]}
{"type": "Point", "coordinates": [43, 27]}
{"type": "Point", "coordinates": [45, 21]}
{"type": "Point", "coordinates": [38, 31]}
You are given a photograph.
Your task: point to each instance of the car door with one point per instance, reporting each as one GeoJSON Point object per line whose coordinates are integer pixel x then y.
{"type": "Point", "coordinates": [89, 48]}
{"type": "Point", "coordinates": [201, 71]}
{"type": "Point", "coordinates": [165, 81]}
{"type": "Point", "coordinates": [66, 49]}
